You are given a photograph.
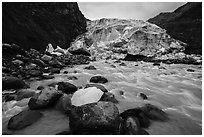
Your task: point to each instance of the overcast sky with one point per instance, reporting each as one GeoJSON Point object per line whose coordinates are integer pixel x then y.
{"type": "Point", "coordinates": [126, 10]}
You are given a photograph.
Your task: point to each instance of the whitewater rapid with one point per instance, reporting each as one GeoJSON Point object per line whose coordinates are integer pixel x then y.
{"type": "Point", "coordinates": [172, 88]}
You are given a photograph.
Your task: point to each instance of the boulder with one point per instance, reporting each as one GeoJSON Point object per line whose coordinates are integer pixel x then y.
{"type": "Point", "coordinates": [72, 78]}
{"type": "Point", "coordinates": [101, 87]}
{"type": "Point", "coordinates": [67, 87]}
{"type": "Point", "coordinates": [46, 98]}
{"type": "Point", "coordinates": [17, 62]}
{"type": "Point", "coordinates": [64, 103]}
{"type": "Point", "coordinates": [54, 70]}
{"type": "Point", "coordinates": [39, 62]}
{"type": "Point", "coordinates": [86, 96]}
{"type": "Point", "coordinates": [31, 66]}
{"type": "Point", "coordinates": [98, 79]}
{"type": "Point", "coordinates": [55, 63]}
{"type": "Point", "coordinates": [8, 97]}
{"type": "Point", "coordinates": [9, 82]}
{"type": "Point", "coordinates": [47, 77]}
{"type": "Point", "coordinates": [109, 97]}
{"type": "Point", "coordinates": [95, 118]}
{"type": "Point", "coordinates": [46, 58]}
{"type": "Point", "coordinates": [35, 73]}
{"type": "Point", "coordinates": [190, 70]}
{"type": "Point", "coordinates": [142, 95]}
{"type": "Point", "coordinates": [154, 113]}
{"type": "Point", "coordinates": [90, 67]}
{"type": "Point", "coordinates": [24, 119]}
{"type": "Point", "coordinates": [25, 93]}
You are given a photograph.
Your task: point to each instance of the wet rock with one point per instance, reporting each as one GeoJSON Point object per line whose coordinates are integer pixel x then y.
{"type": "Point", "coordinates": [64, 103]}
{"type": "Point", "coordinates": [190, 70]}
{"type": "Point", "coordinates": [8, 97]}
{"type": "Point", "coordinates": [17, 62]}
{"type": "Point", "coordinates": [98, 79]}
{"type": "Point", "coordinates": [154, 113]}
{"type": "Point", "coordinates": [25, 93]}
{"type": "Point", "coordinates": [156, 64]}
{"type": "Point", "coordinates": [131, 126]}
{"type": "Point", "coordinates": [12, 83]}
{"type": "Point", "coordinates": [35, 73]}
{"type": "Point", "coordinates": [47, 77]}
{"type": "Point", "coordinates": [46, 98]}
{"type": "Point", "coordinates": [79, 51]}
{"type": "Point", "coordinates": [67, 87]}
{"type": "Point", "coordinates": [90, 67]}
{"type": "Point", "coordinates": [23, 119]}
{"type": "Point", "coordinates": [72, 78]}
{"type": "Point", "coordinates": [122, 64]}
{"type": "Point", "coordinates": [31, 66]}
{"type": "Point", "coordinates": [46, 58]}
{"type": "Point", "coordinates": [101, 87]}
{"type": "Point", "coordinates": [56, 64]}
{"type": "Point", "coordinates": [54, 70]}
{"type": "Point", "coordinates": [95, 118]}
{"type": "Point", "coordinates": [142, 95]}
{"type": "Point", "coordinates": [65, 72]}
{"type": "Point", "coordinates": [108, 97]}
{"type": "Point", "coordinates": [39, 62]}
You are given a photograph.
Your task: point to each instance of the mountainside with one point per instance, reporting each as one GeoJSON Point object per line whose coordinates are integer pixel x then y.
{"type": "Point", "coordinates": [184, 24]}
{"type": "Point", "coordinates": [34, 25]}
{"type": "Point", "coordinates": [113, 38]}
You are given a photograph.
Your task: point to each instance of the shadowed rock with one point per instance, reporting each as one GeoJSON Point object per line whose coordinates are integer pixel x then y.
{"type": "Point", "coordinates": [98, 79]}
{"type": "Point", "coordinates": [101, 87]}
{"type": "Point", "coordinates": [12, 83]}
{"type": "Point", "coordinates": [67, 87]}
{"type": "Point", "coordinates": [25, 118]}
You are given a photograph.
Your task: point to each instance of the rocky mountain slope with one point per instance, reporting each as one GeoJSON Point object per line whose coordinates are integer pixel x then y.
{"type": "Point", "coordinates": [118, 38]}
{"type": "Point", "coordinates": [185, 24]}
{"type": "Point", "coordinates": [34, 25]}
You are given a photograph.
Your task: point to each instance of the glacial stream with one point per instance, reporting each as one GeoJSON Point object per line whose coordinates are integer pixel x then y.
{"type": "Point", "coordinates": [172, 88]}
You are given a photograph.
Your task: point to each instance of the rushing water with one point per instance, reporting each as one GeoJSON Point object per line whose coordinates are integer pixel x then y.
{"type": "Point", "coordinates": [172, 88]}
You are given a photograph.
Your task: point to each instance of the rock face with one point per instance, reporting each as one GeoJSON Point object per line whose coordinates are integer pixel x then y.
{"type": "Point", "coordinates": [96, 118]}
{"type": "Point", "coordinates": [114, 38]}
{"type": "Point", "coordinates": [34, 25]}
{"type": "Point", "coordinates": [185, 24]}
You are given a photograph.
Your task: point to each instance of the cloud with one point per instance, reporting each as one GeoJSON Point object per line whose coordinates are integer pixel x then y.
{"type": "Point", "coordinates": [127, 10]}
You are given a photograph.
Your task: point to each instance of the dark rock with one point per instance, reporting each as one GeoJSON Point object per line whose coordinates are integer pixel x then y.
{"type": "Point", "coordinates": [160, 67]}
{"type": "Point", "coordinates": [34, 25]}
{"type": "Point", "coordinates": [90, 67]}
{"type": "Point", "coordinates": [130, 57]}
{"type": "Point", "coordinates": [24, 119]}
{"type": "Point", "coordinates": [39, 62]}
{"type": "Point", "coordinates": [55, 70]}
{"type": "Point", "coordinates": [64, 104]}
{"type": "Point", "coordinates": [40, 87]}
{"type": "Point", "coordinates": [142, 95]}
{"type": "Point", "coordinates": [12, 83]}
{"type": "Point", "coordinates": [156, 64]}
{"type": "Point", "coordinates": [31, 66]}
{"type": "Point", "coordinates": [67, 87]}
{"type": "Point", "coordinates": [80, 51]}
{"type": "Point", "coordinates": [8, 97]}
{"type": "Point", "coordinates": [56, 64]}
{"type": "Point", "coordinates": [65, 72]}
{"type": "Point", "coordinates": [25, 93]}
{"type": "Point", "coordinates": [108, 97]}
{"type": "Point", "coordinates": [72, 78]}
{"type": "Point", "coordinates": [17, 62]}
{"type": "Point", "coordinates": [46, 98]}
{"type": "Point", "coordinates": [190, 70]}
{"type": "Point", "coordinates": [137, 112]}
{"type": "Point", "coordinates": [35, 73]}
{"type": "Point", "coordinates": [101, 87]}
{"type": "Point", "coordinates": [95, 118]}
{"type": "Point", "coordinates": [131, 126]}
{"type": "Point", "coordinates": [113, 66]}
{"type": "Point", "coordinates": [154, 113]}
{"type": "Point", "coordinates": [98, 79]}
{"type": "Point", "coordinates": [47, 77]}
{"type": "Point", "coordinates": [122, 64]}
{"type": "Point", "coordinates": [46, 58]}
